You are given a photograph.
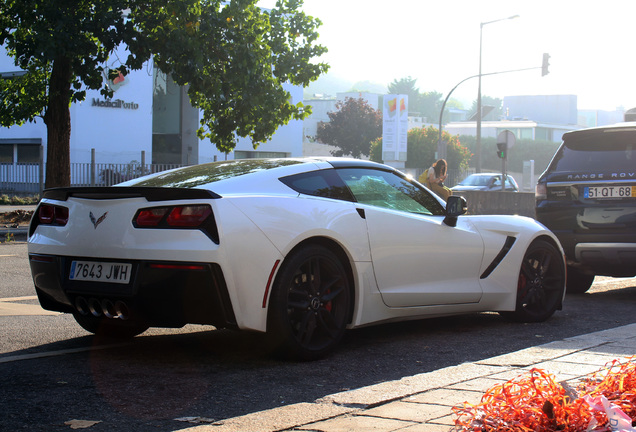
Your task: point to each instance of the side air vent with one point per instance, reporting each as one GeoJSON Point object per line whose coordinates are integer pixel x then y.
{"type": "Point", "coordinates": [500, 256]}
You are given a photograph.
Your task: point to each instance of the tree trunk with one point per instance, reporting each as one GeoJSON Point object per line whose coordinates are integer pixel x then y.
{"type": "Point", "coordinates": [58, 125]}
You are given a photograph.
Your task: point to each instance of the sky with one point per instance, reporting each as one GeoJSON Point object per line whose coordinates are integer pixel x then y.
{"type": "Point", "coordinates": [591, 46]}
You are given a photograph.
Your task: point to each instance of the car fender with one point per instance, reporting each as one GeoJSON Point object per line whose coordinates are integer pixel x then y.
{"type": "Point", "coordinates": [500, 285]}
{"type": "Point", "coordinates": [287, 221]}
{"type": "Point", "coordinates": [277, 226]}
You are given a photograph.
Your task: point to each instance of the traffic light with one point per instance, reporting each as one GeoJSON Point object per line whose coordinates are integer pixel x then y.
{"type": "Point", "coordinates": [502, 150]}
{"type": "Point", "coordinates": [545, 64]}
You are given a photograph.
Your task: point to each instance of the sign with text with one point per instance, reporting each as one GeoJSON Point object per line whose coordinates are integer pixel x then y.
{"type": "Point", "coordinates": [395, 127]}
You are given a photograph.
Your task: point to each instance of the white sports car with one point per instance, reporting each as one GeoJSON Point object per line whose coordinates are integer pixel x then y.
{"type": "Point", "coordinates": [301, 249]}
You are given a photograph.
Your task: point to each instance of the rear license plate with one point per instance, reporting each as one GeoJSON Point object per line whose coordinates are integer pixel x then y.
{"type": "Point", "coordinates": [599, 192]}
{"type": "Point", "coordinates": [100, 271]}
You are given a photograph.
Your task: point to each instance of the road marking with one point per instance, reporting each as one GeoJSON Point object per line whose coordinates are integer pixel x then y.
{"type": "Point", "coordinates": [8, 308]}
{"type": "Point", "coordinates": [4, 256]}
{"type": "Point", "coordinates": [45, 354]}
{"type": "Point", "coordinates": [12, 299]}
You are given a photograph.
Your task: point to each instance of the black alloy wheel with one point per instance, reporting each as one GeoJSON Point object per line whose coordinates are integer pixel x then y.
{"type": "Point", "coordinates": [540, 284]}
{"type": "Point", "coordinates": [310, 304]}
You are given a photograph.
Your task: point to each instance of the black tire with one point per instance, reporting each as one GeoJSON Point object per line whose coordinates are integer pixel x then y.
{"type": "Point", "coordinates": [110, 328]}
{"type": "Point", "coordinates": [310, 304]}
{"type": "Point", "coordinates": [578, 282]}
{"type": "Point", "coordinates": [540, 284]}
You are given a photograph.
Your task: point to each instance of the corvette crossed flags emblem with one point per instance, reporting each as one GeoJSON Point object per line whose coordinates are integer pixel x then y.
{"type": "Point", "coordinates": [97, 221]}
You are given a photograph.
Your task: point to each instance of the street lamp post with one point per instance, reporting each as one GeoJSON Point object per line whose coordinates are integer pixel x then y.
{"type": "Point", "coordinates": [478, 128]}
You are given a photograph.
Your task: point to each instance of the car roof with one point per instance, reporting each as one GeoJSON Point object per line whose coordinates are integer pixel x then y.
{"type": "Point", "coordinates": [623, 126]}
{"type": "Point", "coordinates": [246, 175]}
{"type": "Point", "coordinates": [483, 174]}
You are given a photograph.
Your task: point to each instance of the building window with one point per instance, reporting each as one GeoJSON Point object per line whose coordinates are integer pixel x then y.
{"type": "Point", "coordinates": [166, 149]}
{"type": "Point", "coordinates": [6, 154]}
{"type": "Point", "coordinates": [525, 133]}
{"type": "Point", "coordinates": [543, 134]}
{"type": "Point", "coordinates": [28, 153]}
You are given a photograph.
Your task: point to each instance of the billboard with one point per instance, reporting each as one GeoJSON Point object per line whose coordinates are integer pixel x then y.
{"type": "Point", "coordinates": [395, 127]}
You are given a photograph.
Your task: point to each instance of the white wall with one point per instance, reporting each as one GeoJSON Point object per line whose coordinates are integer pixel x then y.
{"type": "Point", "coordinates": [117, 133]}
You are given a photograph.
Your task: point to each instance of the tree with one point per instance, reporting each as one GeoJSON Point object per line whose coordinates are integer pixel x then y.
{"type": "Point", "coordinates": [426, 104]}
{"type": "Point", "coordinates": [233, 57]}
{"type": "Point", "coordinates": [422, 145]}
{"type": "Point", "coordinates": [351, 128]}
{"type": "Point", "coordinates": [405, 86]}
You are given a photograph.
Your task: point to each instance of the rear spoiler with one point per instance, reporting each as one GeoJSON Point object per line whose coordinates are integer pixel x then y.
{"type": "Point", "coordinates": [119, 192]}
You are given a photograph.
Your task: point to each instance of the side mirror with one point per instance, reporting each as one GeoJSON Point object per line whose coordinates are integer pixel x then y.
{"type": "Point", "coordinates": [455, 207]}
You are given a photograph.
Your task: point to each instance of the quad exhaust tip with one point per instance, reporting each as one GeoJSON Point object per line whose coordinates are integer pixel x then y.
{"type": "Point", "coordinates": [105, 307]}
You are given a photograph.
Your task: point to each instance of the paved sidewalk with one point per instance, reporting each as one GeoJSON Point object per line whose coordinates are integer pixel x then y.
{"type": "Point", "coordinates": [422, 403]}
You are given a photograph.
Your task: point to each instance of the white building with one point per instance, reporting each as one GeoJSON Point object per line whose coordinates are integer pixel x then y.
{"type": "Point", "coordinates": [147, 113]}
{"type": "Point", "coordinates": [523, 129]}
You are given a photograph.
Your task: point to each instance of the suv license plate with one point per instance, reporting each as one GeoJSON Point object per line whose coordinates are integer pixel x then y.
{"type": "Point", "coordinates": [100, 271]}
{"type": "Point", "coordinates": [600, 192]}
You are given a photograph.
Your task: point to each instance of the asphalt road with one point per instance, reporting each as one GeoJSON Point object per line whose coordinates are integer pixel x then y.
{"type": "Point", "coordinates": [52, 372]}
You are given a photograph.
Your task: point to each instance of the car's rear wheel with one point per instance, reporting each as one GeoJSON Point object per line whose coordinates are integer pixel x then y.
{"type": "Point", "coordinates": [309, 304]}
{"type": "Point", "coordinates": [540, 284]}
{"type": "Point", "coordinates": [109, 327]}
{"type": "Point", "coordinates": [578, 282]}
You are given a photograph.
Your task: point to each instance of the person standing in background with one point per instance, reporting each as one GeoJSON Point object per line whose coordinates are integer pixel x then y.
{"type": "Point", "coordinates": [433, 178]}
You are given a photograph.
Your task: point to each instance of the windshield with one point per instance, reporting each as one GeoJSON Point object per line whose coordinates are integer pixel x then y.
{"type": "Point", "coordinates": [474, 180]}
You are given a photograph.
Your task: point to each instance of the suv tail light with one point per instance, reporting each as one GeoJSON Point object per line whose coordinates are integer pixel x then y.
{"type": "Point", "coordinates": [53, 215]}
{"type": "Point", "coordinates": [541, 191]}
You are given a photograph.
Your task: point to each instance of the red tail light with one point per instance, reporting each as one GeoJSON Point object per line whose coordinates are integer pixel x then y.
{"type": "Point", "coordinates": [189, 216]}
{"type": "Point", "coordinates": [53, 215]}
{"type": "Point", "coordinates": [151, 217]}
{"type": "Point", "coordinates": [61, 215]}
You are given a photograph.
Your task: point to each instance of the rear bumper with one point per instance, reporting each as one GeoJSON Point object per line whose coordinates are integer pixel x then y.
{"type": "Point", "coordinates": [597, 237]}
{"type": "Point", "coordinates": [605, 255]}
{"type": "Point", "coordinates": [163, 294]}
{"type": "Point", "coordinates": [610, 259]}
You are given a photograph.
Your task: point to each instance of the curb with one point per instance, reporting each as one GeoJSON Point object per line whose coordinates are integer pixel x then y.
{"type": "Point", "coordinates": [19, 234]}
{"type": "Point", "coordinates": [423, 402]}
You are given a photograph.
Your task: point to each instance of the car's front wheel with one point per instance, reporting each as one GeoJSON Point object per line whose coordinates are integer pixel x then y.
{"type": "Point", "coordinates": [101, 326]}
{"type": "Point", "coordinates": [310, 304]}
{"type": "Point", "coordinates": [540, 283]}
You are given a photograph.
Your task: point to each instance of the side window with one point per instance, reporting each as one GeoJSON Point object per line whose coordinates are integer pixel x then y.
{"type": "Point", "coordinates": [388, 190]}
{"type": "Point", "coordinates": [324, 183]}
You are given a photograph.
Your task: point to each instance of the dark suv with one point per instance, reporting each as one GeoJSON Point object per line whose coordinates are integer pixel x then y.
{"type": "Point", "coordinates": [587, 197]}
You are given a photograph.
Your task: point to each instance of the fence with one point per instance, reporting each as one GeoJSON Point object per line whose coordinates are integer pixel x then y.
{"type": "Point", "coordinates": [20, 179]}
{"type": "Point", "coordinates": [28, 179]}
{"type": "Point", "coordinates": [108, 174]}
